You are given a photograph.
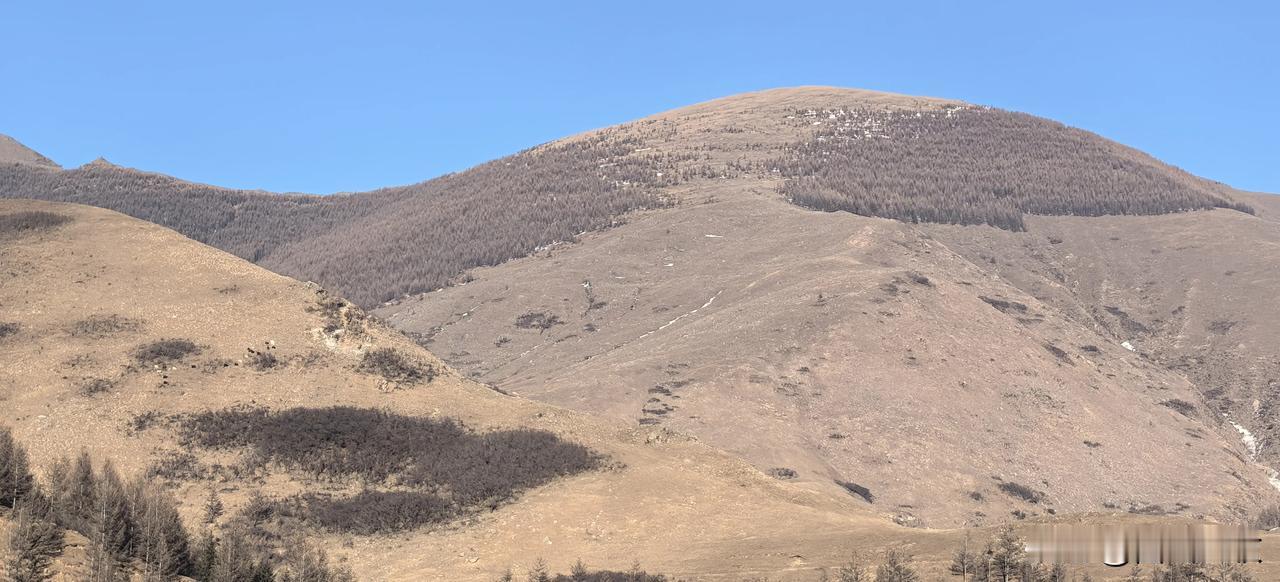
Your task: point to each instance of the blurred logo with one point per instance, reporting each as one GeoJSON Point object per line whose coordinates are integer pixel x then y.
{"type": "Point", "coordinates": [1118, 545]}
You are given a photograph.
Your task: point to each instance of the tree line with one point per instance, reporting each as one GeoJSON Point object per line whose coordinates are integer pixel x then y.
{"type": "Point", "coordinates": [380, 245]}
{"type": "Point", "coordinates": [979, 166]}
{"type": "Point", "coordinates": [133, 529]}
{"type": "Point", "coordinates": [964, 165]}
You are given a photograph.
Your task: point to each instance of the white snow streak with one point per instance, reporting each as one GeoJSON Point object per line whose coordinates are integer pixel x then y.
{"type": "Point", "coordinates": [672, 322]}
{"type": "Point", "coordinates": [1251, 443]}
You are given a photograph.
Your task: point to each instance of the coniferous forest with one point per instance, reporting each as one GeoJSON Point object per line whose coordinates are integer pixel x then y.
{"type": "Point", "coordinates": [955, 165]}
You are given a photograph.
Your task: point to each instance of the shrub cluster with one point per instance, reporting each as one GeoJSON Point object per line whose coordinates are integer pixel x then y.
{"type": "Point", "coordinates": [1004, 306]}
{"type": "Point", "coordinates": [782, 473]}
{"type": "Point", "coordinates": [396, 366]}
{"type": "Point", "coordinates": [1180, 406]}
{"type": "Point", "coordinates": [1021, 492]}
{"type": "Point", "coordinates": [263, 360]}
{"type": "Point", "coordinates": [165, 351]}
{"type": "Point", "coordinates": [858, 490]}
{"type": "Point", "coordinates": [538, 320]}
{"type": "Point", "coordinates": [102, 326]}
{"type": "Point", "coordinates": [444, 468]}
{"type": "Point", "coordinates": [94, 386]}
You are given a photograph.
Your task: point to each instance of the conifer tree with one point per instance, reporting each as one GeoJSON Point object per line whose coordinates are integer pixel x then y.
{"type": "Point", "coordinates": [896, 567]}
{"type": "Point", "coordinates": [16, 480]}
{"type": "Point", "coordinates": [1008, 555]}
{"type": "Point", "coordinates": [34, 540]}
{"type": "Point", "coordinates": [163, 546]}
{"type": "Point", "coordinates": [962, 562]}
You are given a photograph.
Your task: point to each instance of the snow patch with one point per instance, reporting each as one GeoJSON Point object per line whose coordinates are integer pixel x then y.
{"type": "Point", "coordinates": [1251, 443]}
{"type": "Point", "coordinates": [1246, 437]}
{"type": "Point", "coordinates": [672, 322]}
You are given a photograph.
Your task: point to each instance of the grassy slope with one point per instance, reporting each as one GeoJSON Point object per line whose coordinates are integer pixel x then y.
{"type": "Point", "coordinates": [676, 505]}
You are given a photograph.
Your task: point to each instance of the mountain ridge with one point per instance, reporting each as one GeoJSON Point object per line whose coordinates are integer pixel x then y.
{"type": "Point", "coordinates": [14, 152]}
{"type": "Point", "coordinates": [854, 292]}
{"type": "Point", "coordinates": [637, 166]}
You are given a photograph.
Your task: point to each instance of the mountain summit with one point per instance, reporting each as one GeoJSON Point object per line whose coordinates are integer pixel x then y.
{"type": "Point", "coordinates": [13, 152]}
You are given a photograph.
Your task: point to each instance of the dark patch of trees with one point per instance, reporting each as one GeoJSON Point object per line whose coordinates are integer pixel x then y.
{"type": "Point", "coordinates": [17, 224]}
{"type": "Point", "coordinates": [370, 512]}
{"type": "Point", "coordinates": [384, 244]}
{"type": "Point", "coordinates": [980, 166]}
{"type": "Point", "coordinates": [133, 527]}
{"type": "Point", "coordinates": [129, 524]}
{"type": "Point", "coordinates": [440, 468]}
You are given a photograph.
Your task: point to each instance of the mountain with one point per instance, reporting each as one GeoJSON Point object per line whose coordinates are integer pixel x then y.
{"type": "Point", "coordinates": [121, 338]}
{"type": "Point", "coordinates": [13, 152]}
{"type": "Point", "coordinates": [899, 355]}
{"type": "Point", "coordinates": [846, 349]}
{"type": "Point", "coordinates": [874, 153]}
{"type": "Point", "coordinates": [837, 285]}
{"type": "Point", "coordinates": [366, 246]}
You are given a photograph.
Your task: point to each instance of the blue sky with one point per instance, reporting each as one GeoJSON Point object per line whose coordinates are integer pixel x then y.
{"type": "Point", "coordinates": [324, 97]}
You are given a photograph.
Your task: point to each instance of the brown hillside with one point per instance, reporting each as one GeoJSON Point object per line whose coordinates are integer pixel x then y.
{"type": "Point", "coordinates": [1193, 293]}
{"type": "Point", "coordinates": [13, 152]}
{"type": "Point", "coordinates": [852, 349]}
{"type": "Point", "coordinates": [84, 288]}
{"type": "Point", "coordinates": [879, 154]}
{"type": "Point", "coordinates": [846, 349]}
{"type": "Point", "coordinates": [85, 294]}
